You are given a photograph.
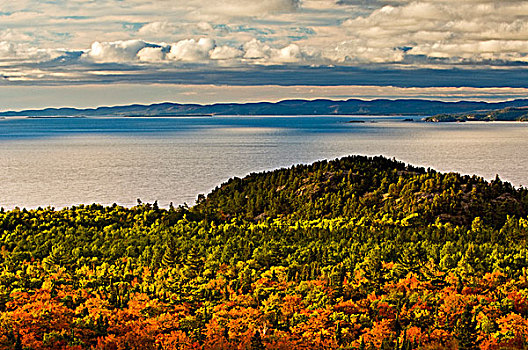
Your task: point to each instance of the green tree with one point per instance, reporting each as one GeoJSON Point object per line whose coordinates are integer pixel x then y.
{"type": "Point", "coordinates": [466, 330]}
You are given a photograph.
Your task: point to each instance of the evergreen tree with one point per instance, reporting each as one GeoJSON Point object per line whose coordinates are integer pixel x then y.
{"type": "Point", "coordinates": [58, 257]}
{"type": "Point", "coordinates": [466, 330]}
{"type": "Point", "coordinates": [170, 258]}
{"type": "Point", "coordinates": [193, 262]}
{"type": "Point", "coordinates": [412, 259]}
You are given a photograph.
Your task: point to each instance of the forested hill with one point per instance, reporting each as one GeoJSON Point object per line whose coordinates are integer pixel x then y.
{"type": "Point", "coordinates": [505, 114]}
{"type": "Point", "coordinates": [355, 253]}
{"type": "Point", "coordinates": [374, 188]}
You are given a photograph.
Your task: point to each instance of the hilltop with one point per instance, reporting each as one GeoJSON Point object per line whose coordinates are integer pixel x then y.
{"type": "Point", "coordinates": [365, 187]}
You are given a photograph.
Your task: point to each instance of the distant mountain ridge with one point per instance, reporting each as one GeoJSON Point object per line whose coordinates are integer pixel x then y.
{"type": "Point", "coordinates": [416, 107]}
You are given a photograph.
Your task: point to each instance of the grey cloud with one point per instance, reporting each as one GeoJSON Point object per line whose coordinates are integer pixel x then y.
{"type": "Point", "coordinates": [373, 75]}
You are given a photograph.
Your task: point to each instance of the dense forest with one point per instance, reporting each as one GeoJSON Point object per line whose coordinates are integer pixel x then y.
{"type": "Point", "coordinates": [354, 253]}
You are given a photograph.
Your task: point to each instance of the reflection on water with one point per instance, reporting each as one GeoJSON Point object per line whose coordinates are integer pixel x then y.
{"type": "Point", "coordinates": [61, 162]}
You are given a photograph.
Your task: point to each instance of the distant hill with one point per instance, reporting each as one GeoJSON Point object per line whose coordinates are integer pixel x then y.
{"type": "Point", "coordinates": [287, 107]}
{"type": "Point", "coordinates": [505, 114]}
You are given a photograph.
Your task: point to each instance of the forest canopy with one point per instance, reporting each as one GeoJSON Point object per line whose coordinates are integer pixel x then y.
{"type": "Point", "coordinates": [354, 253]}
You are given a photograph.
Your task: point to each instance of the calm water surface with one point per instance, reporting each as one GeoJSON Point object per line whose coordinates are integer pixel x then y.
{"type": "Point", "coordinates": [62, 162]}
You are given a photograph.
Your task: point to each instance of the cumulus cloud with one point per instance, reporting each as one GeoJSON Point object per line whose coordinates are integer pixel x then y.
{"type": "Point", "coordinates": [289, 54]}
{"type": "Point", "coordinates": [256, 49]}
{"type": "Point", "coordinates": [151, 54]}
{"type": "Point", "coordinates": [470, 31]}
{"type": "Point", "coordinates": [116, 51]}
{"type": "Point", "coordinates": [262, 53]}
{"type": "Point", "coordinates": [191, 50]}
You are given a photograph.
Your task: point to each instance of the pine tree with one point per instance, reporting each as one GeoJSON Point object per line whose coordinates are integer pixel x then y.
{"type": "Point", "coordinates": [194, 263]}
{"type": "Point", "coordinates": [59, 257]}
{"type": "Point", "coordinates": [466, 332]}
{"type": "Point", "coordinates": [170, 258]}
{"type": "Point", "coordinates": [411, 260]}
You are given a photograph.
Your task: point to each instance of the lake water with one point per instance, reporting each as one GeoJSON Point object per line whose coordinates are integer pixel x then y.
{"type": "Point", "coordinates": [67, 161]}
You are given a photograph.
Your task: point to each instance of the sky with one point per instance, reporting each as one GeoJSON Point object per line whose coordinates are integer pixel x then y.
{"type": "Point", "coordinates": [86, 53]}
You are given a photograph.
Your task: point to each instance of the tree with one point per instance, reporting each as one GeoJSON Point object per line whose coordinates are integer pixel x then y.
{"type": "Point", "coordinates": [466, 330]}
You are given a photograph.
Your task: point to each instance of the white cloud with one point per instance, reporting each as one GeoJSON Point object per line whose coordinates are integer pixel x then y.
{"type": "Point", "coordinates": [473, 31]}
{"type": "Point", "coordinates": [258, 52]}
{"type": "Point", "coordinates": [151, 54]}
{"type": "Point", "coordinates": [256, 49]}
{"type": "Point", "coordinates": [191, 50]}
{"type": "Point", "coordinates": [289, 54]}
{"type": "Point", "coordinates": [117, 51]}
{"type": "Point", "coordinates": [129, 51]}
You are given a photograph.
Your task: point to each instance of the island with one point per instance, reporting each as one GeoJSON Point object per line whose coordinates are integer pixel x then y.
{"type": "Point", "coordinates": [505, 114]}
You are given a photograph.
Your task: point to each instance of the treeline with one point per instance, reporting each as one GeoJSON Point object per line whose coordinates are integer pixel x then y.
{"type": "Point", "coordinates": [356, 253]}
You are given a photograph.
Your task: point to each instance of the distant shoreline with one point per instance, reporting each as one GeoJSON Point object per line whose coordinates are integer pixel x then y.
{"type": "Point", "coordinates": [408, 118]}
{"type": "Point", "coordinates": [322, 107]}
